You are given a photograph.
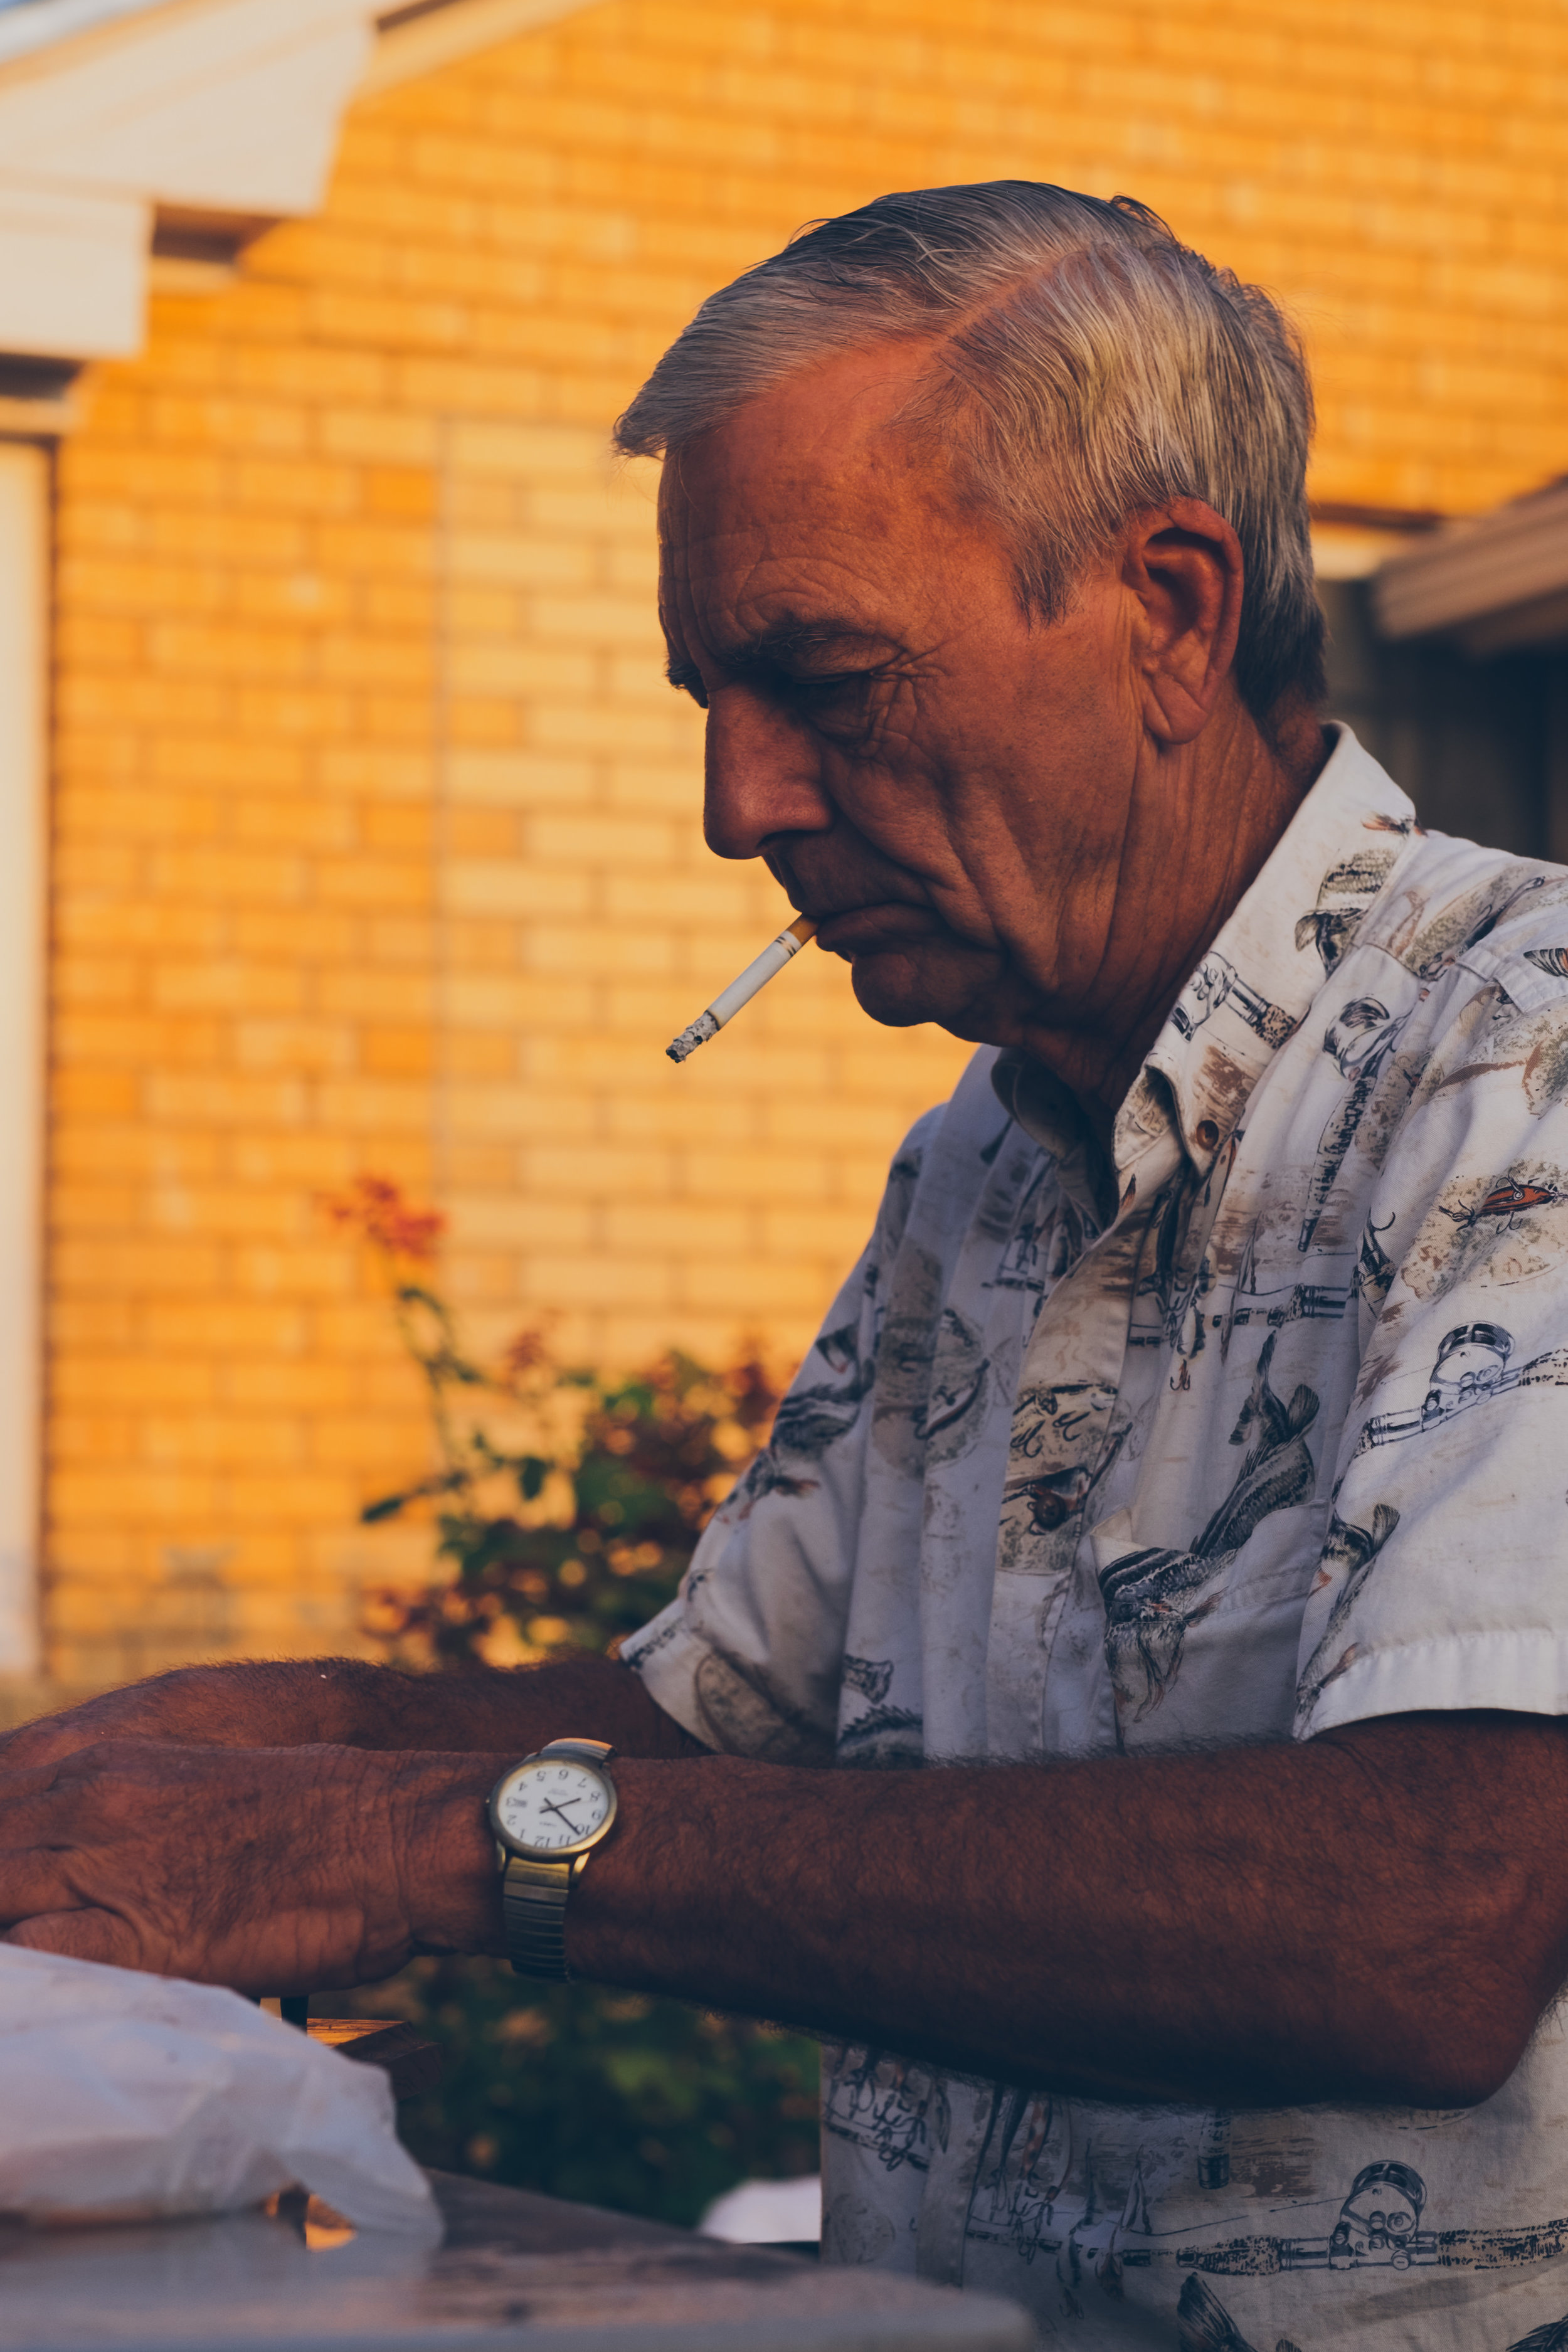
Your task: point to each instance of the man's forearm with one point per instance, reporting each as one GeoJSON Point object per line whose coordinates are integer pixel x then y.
{"type": "Point", "coordinates": [347, 1702]}
{"type": "Point", "coordinates": [481, 1710]}
{"type": "Point", "coordinates": [1378, 1915]}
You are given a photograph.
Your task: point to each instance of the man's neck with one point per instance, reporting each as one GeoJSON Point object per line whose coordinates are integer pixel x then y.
{"type": "Point", "coordinates": [1219, 825]}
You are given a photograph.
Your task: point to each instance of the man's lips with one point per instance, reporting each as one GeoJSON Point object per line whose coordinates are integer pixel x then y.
{"type": "Point", "coordinates": [887, 923]}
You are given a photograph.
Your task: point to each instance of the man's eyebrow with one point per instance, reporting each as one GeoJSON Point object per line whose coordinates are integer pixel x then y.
{"type": "Point", "coordinates": [805, 635]}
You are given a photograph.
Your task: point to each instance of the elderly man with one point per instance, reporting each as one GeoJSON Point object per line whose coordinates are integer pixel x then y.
{"type": "Point", "coordinates": [1182, 1468]}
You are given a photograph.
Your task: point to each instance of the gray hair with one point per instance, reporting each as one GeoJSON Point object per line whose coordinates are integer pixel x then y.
{"type": "Point", "coordinates": [1090, 366]}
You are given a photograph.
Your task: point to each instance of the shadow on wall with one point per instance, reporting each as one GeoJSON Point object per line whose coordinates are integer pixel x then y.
{"type": "Point", "coordinates": [1481, 747]}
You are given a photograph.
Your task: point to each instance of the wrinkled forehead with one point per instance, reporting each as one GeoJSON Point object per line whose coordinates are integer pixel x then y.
{"type": "Point", "coordinates": [849, 427]}
{"type": "Point", "coordinates": [817, 488]}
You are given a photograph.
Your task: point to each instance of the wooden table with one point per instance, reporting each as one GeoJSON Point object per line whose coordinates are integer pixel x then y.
{"type": "Point", "coordinates": [516, 2273]}
{"type": "Point", "coordinates": [411, 2064]}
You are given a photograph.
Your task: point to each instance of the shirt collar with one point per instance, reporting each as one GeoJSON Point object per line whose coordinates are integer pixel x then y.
{"type": "Point", "coordinates": [1256, 982]}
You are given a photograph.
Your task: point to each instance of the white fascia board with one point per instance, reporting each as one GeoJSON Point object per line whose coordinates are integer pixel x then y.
{"type": "Point", "coordinates": [73, 271]}
{"type": "Point", "coordinates": [214, 106]}
{"type": "Point", "coordinates": [44, 24]}
{"type": "Point", "coordinates": [1517, 556]}
{"type": "Point", "coordinates": [226, 105]}
{"type": "Point", "coordinates": [23, 670]}
{"type": "Point", "coordinates": [460, 29]}
{"type": "Point", "coordinates": [263, 147]}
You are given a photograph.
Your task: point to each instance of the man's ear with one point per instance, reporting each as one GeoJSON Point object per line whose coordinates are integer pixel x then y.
{"type": "Point", "coordinates": [1183, 565]}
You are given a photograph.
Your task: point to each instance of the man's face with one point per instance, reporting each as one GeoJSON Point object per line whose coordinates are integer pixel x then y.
{"type": "Point", "coordinates": [951, 789]}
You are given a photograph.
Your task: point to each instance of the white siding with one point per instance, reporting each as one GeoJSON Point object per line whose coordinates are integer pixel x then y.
{"type": "Point", "coordinates": [24, 529]}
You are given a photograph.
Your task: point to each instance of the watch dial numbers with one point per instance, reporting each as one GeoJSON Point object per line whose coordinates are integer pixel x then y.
{"type": "Point", "coordinates": [553, 1805]}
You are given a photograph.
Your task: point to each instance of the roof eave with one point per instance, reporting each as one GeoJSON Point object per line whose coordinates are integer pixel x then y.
{"type": "Point", "coordinates": [1494, 585]}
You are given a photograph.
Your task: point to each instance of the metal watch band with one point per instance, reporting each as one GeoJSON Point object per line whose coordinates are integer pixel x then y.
{"type": "Point", "coordinates": [533, 1893]}
{"type": "Point", "coordinates": [533, 1914]}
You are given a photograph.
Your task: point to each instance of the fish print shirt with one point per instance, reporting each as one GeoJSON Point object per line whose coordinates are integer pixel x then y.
{"type": "Point", "coordinates": [1263, 1432]}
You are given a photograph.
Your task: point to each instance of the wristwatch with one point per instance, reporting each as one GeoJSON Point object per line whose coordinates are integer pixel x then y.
{"type": "Point", "coordinates": [548, 1813]}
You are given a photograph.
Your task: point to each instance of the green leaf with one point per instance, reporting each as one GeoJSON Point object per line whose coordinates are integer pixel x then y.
{"type": "Point", "coordinates": [386, 1508]}
{"type": "Point", "coordinates": [587, 2093]}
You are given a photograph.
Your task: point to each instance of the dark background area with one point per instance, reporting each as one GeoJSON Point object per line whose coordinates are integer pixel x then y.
{"type": "Point", "coordinates": [1481, 747]}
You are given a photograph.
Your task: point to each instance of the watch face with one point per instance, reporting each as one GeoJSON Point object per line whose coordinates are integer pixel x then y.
{"type": "Point", "coordinates": [548, 1807]}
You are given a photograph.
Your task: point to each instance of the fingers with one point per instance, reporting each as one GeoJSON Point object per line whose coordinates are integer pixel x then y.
{"type": "Point", "coordinates": [36, 1812]}
{"type": "Point", "coordinates": [105, 1770]}
{"type": "Point", "coordinates": [215, 1863]}
{"type": "Point", "coordinates": [34, 1882]}
{"type": "Point", "coordinates": [81, 1936]}
{"type": "Point", "coordinates": [52, 1736]}
{"type": "Point", "coordinates": [25, 1769]}
{"type": "Point", "coordinates": [49, 1843]}
{"type": "Point", "coordinates": [24, 1798]}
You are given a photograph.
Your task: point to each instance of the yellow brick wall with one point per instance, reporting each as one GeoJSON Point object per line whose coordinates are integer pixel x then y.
{"type": "Point", "coordinates": [375, 836]}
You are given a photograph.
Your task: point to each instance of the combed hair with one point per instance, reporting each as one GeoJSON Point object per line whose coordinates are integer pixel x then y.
{"type": "Point", "coordinates": [1088, 366]}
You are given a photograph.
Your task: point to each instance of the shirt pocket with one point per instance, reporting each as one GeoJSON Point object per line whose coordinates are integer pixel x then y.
{"type": "Point", "coordinates": [1205, 1646]}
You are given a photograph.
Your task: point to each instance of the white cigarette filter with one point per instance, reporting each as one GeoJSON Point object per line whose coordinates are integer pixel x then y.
{"type": "Point", "coordinates": [724, 1007]}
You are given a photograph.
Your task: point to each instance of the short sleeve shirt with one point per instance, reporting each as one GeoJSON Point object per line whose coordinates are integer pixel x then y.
{"type": "Point", "coordinates": [1259, 1429]}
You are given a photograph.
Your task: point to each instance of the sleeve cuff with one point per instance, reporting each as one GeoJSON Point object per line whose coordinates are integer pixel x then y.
{"type": "Point", "coordinates": [666, 1654]}
{"type": "Point", "coordinates": [1520, 1672]}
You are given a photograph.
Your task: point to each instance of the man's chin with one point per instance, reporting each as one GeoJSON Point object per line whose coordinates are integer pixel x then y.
{"type": "Point", "coordinates": [901, 986]}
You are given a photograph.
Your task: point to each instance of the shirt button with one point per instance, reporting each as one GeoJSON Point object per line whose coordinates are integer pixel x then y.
{"type": "Point", "coordinates": [1208, 1134]}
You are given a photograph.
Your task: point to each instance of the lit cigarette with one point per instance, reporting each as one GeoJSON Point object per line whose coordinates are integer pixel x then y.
{"type": "Point", "coordinates": [774, 958]}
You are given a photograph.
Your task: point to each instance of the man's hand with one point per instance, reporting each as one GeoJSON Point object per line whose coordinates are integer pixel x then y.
{"type": "Point", "coordinates": [346, 1703]}
{"type": "Point", "coordinates": [269, 1870]}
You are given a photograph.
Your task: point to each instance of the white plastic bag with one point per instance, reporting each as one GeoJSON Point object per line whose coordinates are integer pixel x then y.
{"type": "Point", "coordinates": [131, 2098]}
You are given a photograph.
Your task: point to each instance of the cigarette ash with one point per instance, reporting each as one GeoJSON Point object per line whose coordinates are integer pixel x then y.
{"type": "Point", "coordinates": [701, 1029]}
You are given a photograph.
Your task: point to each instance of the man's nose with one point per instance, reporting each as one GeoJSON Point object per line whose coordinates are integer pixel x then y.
{"type": "Point", "coordinates": [763, 775]}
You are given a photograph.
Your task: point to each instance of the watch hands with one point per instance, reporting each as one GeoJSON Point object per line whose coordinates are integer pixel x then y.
{"type": "Point", "coordinates": [552, 1807]}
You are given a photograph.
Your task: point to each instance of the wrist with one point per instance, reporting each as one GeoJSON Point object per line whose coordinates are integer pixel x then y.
{"type": "Point", "coordinates": [639, 1894]}
{"type": "Point", "coordinates": [445, 1849]}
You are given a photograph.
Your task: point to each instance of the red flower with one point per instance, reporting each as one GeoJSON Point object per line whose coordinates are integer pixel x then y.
{"type": "Point", "coordinates": [374, 1207]}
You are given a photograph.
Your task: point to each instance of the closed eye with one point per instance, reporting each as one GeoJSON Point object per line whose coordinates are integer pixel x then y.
{"type": "Point", "coordinates": [830, 697]}
{"type": "Point", "coordinates": [843, 706]}
{"type": "Point", "coordinates": [813, 689]}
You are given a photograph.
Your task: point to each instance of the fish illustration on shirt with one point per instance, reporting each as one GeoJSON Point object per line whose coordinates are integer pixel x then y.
{"type": "Point", "coordinates": [1507, 1202]}
{"type": "Point", "coordinates": [1360, 1040]}
{"type": "Point", "coordinates": [1151, 1597]}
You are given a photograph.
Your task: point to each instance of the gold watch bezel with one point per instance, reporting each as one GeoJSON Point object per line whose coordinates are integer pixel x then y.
{"type": "Point", "coordinates": [507, 1844]}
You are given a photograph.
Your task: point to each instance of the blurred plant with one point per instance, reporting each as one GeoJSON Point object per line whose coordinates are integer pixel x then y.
{"type": "Point", "coordinates": [568, 1506]}
{"type": "Point", "coordinates": [374, 1206]}
{"type": "Point", "coordinates": [608, 2096]}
